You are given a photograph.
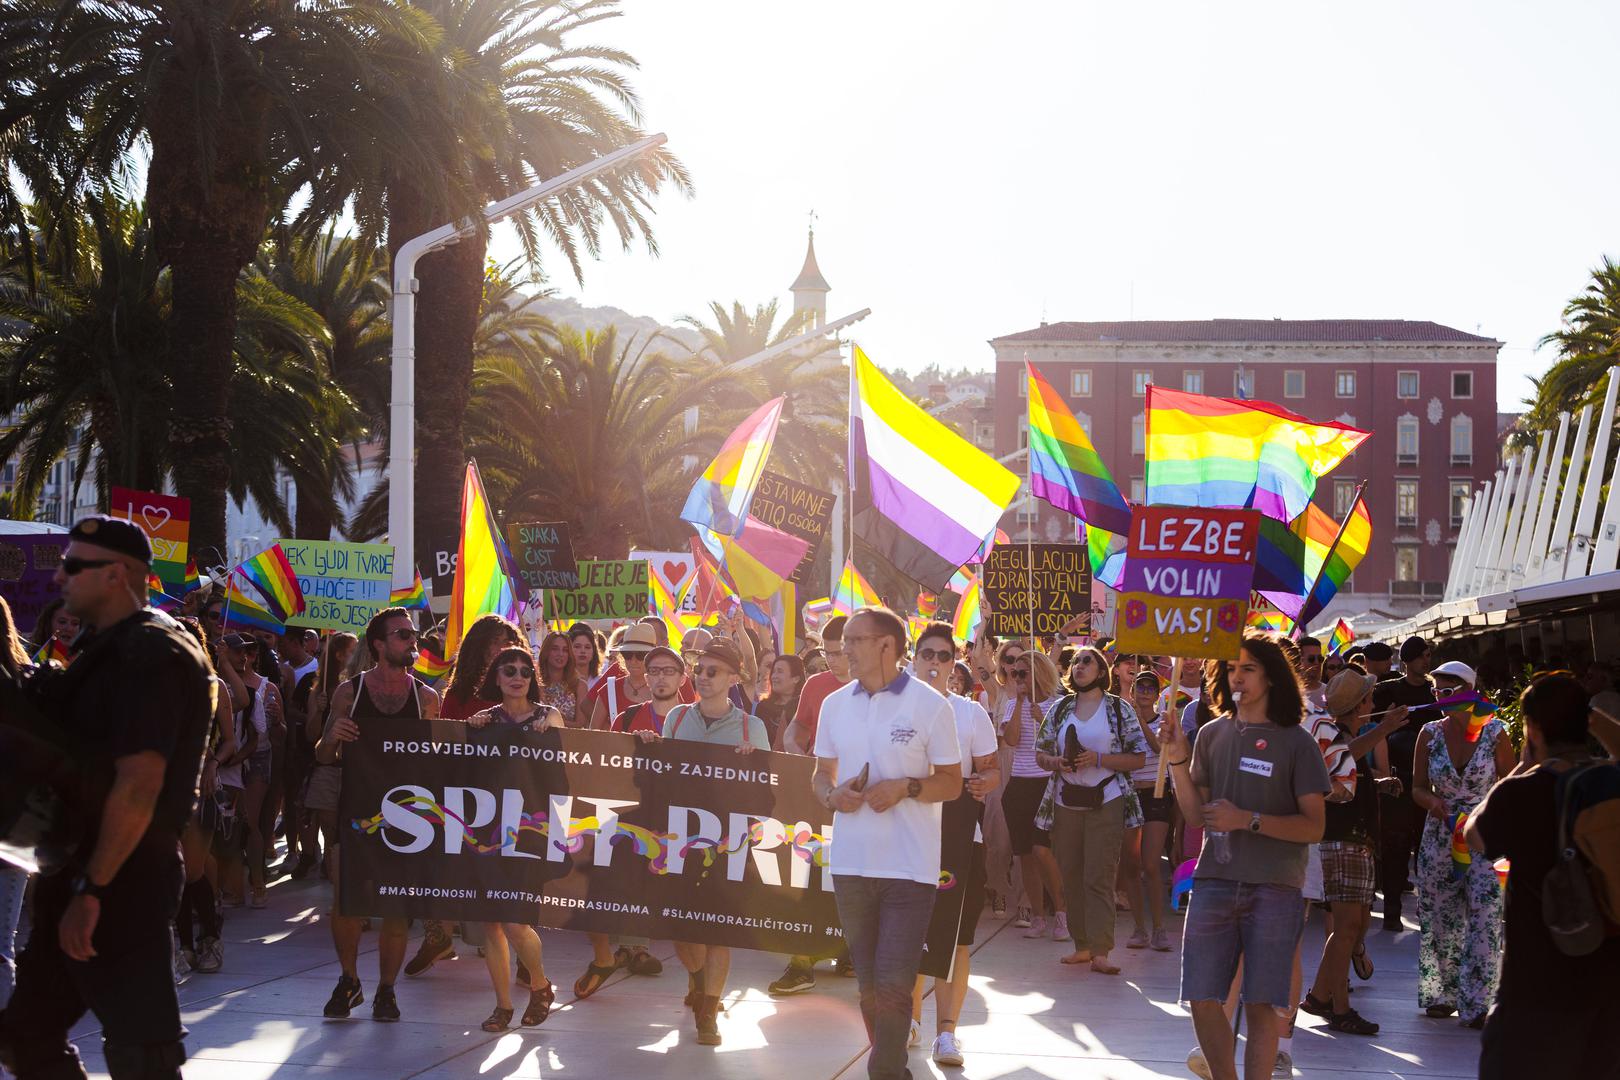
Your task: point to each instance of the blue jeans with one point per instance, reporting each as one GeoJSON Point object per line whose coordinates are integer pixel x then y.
{"type": "Point", "coordinates": [12, 883]}
{"type": "Point", "coordinates": [885, 924]}
{"type": "Point", "coordinates": [1227, 920]}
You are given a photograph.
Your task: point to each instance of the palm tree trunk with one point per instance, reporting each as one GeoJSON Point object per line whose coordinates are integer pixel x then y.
{"type": "Point", "coordinates": [313, 520]}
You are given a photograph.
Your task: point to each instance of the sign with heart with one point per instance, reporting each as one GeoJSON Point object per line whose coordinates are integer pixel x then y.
{"type": "Point", "coordinates": [166, 520]}
{"type": "Point", "coordinates": [674, 569]}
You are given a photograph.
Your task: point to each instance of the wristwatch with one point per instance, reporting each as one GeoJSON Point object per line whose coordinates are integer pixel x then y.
{"type": "Point", "coordinates": [913, 788]}
{"type": "Point", "coordinates": [83, 886]}
{"type": "Point", "coordinates": [1254, 822]}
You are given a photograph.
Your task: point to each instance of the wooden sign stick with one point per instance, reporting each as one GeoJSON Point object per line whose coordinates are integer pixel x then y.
{"type": "Point", "coordinates": [1169, 708]}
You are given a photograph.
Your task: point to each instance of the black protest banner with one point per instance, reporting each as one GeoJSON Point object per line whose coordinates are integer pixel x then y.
{"type": "Point", "coordinates": [1053, 578]}
{"type": "Point", "coordinates": [796, 509]}
{"type": "Point", "coordinates": [543, 553]}
{"type": "Point", "coordinates": [673, 840]}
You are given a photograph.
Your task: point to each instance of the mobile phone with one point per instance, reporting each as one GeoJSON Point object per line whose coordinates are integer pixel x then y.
{"type": "Point", "coordinates": [859, 783]}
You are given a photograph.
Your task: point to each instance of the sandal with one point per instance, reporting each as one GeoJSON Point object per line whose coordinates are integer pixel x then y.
{"type": "Point", "coordinates": [499, 1020]}
{"type": "Point", "coordinates": [540, 1002]}
{"type": "Point", "coordinates": [1362, 963]}
{"type": "Point", "coordinates": [1351, 1022]}
{"type": "Point", "coordinates": [643, 962]}
{"type": "Point", "coordinates": [590, 982]}
{"type": "Point", "coordinates": [1316, 1007]}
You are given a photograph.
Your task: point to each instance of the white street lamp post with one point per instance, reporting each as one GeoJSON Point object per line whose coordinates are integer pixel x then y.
{"type": "Point", "coordinates": [402, 403]}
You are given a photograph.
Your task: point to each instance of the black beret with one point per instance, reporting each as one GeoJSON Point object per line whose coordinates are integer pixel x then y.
{"type": "Point", "coordinates": [114, 534]}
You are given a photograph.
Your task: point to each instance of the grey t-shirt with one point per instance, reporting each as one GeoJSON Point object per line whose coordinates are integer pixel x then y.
{"type": "Point", "coordinates": [1263, 768]}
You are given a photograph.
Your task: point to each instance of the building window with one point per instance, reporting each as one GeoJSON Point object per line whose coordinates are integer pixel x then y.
{"type": "Point", "coordinates": [1028, 512]}
{"type": "Point", "coordinates": [1243, 384]}
{"type": "Point", "coordinates": [1406, 504]}
{"type": "Point", "coordinates": [1192, 382]}
{"type": "Point", "coordinates": [1080, 383]}
{"type": "Point", "coordinates": [1406, 563]}
{"type": "Point", "coordinates": [1023, 384]}
{"type": "Point", "coordinates": [1138, 490]}
{"type": "Point", "coordinates": [1138, 434]}
{"type": "Point", "coordinates": [1406, 441]}
{"type": "Point", "coordinates": [1344, 494]}
{"type": "Point", "coordinates": [1084, 420]}
{"type": "Point", "coordinates": [1140, 381]}
{"type": "Point", "coordinates": [1462, 384]}
{"type": "Point", "coordinates": [1293, 384]}
{"type": "Point", "coordinates": [1023, 432]}
{"type": "Point", "coordinates": [1460, 490]}
{"type": "Point", "coordinates": [1344, 384]}
{"type": "Point", "coordinates": [1462, 440]}
{"type": "Point", "coordinates": [1406, 384]}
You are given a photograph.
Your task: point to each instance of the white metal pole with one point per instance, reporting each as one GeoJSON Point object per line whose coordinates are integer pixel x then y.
{"type": "Point", "coordinates": [1564, 519]}
{"type": "Point", "coordinates": [1580, 544]}
{"type": "Point", "coordinates": [402, 398]}
{"type": "Point", "coordinates": [1537, 548]}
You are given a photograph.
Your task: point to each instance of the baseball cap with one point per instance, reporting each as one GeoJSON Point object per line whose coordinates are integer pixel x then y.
{"type": "Point", "coordinates": [638, 638]}
{"type": "Point", "coordinates": [115, 534]}
{"type": "Point", "coordinates": [1346, 690]}
{"type": "Point", "coordinates": [1412, 648]}
{"type": "Point", "coordinates": [236, 641]}
{"type": "Point", "coordinates": [1457, 670]}
{"type": "Point", "coordinates": [723, 650]}
{"type": "Point", "coordinates": [665, 651]}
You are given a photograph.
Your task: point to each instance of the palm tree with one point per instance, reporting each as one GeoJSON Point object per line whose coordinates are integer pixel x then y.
{"type": "Point", "coordinates": [525, 102]}
{"type": "Point", "coordinates": [1588, 345]}
{"type": "Point", "coordinates": [236, 101]}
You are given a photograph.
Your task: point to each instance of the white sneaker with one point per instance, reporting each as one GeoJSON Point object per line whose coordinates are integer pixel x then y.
{"type": "Point", "coordinates": [1022, 920]}
{"type": "Point", "coordinates": [1037, 927]}
{"type": "Point", "coordinates": [915, 1038]}
{"type": "Point", "coordinates": [1284, 1067]}
{"type": "Point", "coordinates": [1197, 1065]}
{"type": "Point", "coordinates": [946, 1052]}
{"type": "Point", "coordinates": [178, 962]}
{"type": "Point", "coordinates": [1060, 927]}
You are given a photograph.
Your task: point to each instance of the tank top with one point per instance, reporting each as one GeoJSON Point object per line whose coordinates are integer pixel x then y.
{"type": "Point", "coordinates": [1023, 760]}
{"type": "Point", "coordinates": [365, 708]}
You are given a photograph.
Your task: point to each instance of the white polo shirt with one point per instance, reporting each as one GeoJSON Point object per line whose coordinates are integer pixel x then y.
{"type": "Point", "coordinates": [903, 731]}
{"type": "Point", "coordinates": [977, 737]}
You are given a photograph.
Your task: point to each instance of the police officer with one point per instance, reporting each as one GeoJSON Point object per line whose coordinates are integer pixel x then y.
{"type": "Point", "coordinates": [138, 699]}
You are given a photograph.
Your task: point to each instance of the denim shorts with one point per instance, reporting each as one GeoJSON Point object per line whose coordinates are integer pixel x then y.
{"type": "Point", "coordinates": [257, 768]}
{"type": "Point", "coordinates": [1229, 920]}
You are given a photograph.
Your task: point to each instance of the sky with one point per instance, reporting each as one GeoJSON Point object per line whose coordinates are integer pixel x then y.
{"type": "Point", "coordinates": [975, 167]}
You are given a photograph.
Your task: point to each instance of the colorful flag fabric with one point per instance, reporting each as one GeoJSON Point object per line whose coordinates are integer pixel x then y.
{"type": "Point", "coordinates": [482, 583]}
{"type": "Point", "coordinates": [430, 666]}
{"type": "Point", "coordinates": [1480, 710]}
{"type": "Point", "coordinates": [1289, 558]}
{"type": "Point", "coordinates": [412, 596]}
{"type": "Point", "coordinates": [52, 652]}
{"type": "Point", "coordinates": [1209, 451]}
{"type": "Point", "coordinates": [273, 576]}
{"type": "Point", "coordinates": [758, 559]}
{"type": "Point", "coordinates": [1341, 637]}
{"type": "Point", "coordinates": [719, 500]}
{"type": "Point", "coordinates": [816, 613]}
{"type": "Point", "coordinates": [1342, 560]}
{"type": "Point", "coordinates": [1064, 467]}
{"type": "Point", "coordinates": [1262, 616]}
{"type": "Point", "coordinates": [924, 497]}
{"type": "Point", "coordinates": [1106, 552]}
{"type": "Point", "coordinates": [927, 603]}
{"type": "Point", "coordinates": [998, 537]}
{"type": "Point", "coordinates": [667, 606]}
{"type": "Point", "coordinates": [1461, 857]}
{"type": "Point", "coordinates": [853, 591]}
{"type": "Point", "coordinates": [245, 610]}
{"type": "Point", "coordinates": [969, 612]}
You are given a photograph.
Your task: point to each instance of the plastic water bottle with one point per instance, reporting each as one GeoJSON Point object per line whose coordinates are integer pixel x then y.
{"type": "Point", "coordinates": [1219, 844]}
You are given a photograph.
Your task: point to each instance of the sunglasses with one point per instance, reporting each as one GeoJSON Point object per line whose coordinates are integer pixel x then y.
{"type": "Point", "coordinates": [711, 671]}
{"type": "Point", "coordinates": [940, 655]}
{"type": "Point", "coordinates": [213, 616]}
{"type": "Point", "coordinates": [517, 671]}
{"type": "Point", "coordinates": [664, 672]}
{"type": "Point", "coordinates": [404, 633]}
{"type": "Point", "coordinates": [73, 564]}
{"type": "Point", "coordinates": [1020, 673]}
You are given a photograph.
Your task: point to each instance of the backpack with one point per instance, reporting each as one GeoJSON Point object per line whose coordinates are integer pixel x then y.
{"type": "Point", "coordinates": [1580, 895]}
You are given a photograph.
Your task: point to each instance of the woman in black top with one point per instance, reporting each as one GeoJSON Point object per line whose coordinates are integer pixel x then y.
{"type": "Point", "coordinates": [777, 708]}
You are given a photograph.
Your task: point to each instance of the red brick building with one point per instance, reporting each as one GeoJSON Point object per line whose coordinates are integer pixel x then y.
{"type": "Point", "coordinates": [1427, 393]}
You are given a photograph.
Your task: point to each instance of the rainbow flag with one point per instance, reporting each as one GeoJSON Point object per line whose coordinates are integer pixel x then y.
{"type": "Point", "coordinates": [1209, 451]}
{"type": "Point", "coordinates": [430, 667]}
{"type": "Point", "coordinates": [1064, 467]}
{"type": "Point", "coordinates": [1480, 710]}
{"type": "Point", "coordinates": [927, 603]}
{"type": "Point", "coordinates": [969, 612]}
{"type": "Point", "coordinates": [1342, 560]}
{"type": "Point", "coordinates": [273, 576]}
{"type": "Point", "coordinates": [482, 583]}
{"type": "Point", "coordinates": [667, 606]}
{"type": "Point", "coordinates": [1294, 553]}
{"type": "Point", "coordinates": [1461, 857]}
{"type": "Point", "coordinates": [242, 610]}
{"type": "Point", "coordinates": [924, 497]}
{"type": "Point", "coordinates": [719, 500]}
{"type": "Point", "coordinates": [853, 591]}
{"type": "Point", "coordinates": [998, 537]}
{"type": "Point", "coordinates": [156, 597]}
{"type": "Point", "coordinates": [1106, 552]}
{"type": "Point", "coordinates": [1342, 636]}
{"type": "Point", "coordinates": [1275, 621]}
{"type": "Point", "coordinates": [52, 652]}
{"type": "Point", "coordinates": [412, 596]}
{"type": "Point", "coordinates": [915, 625]}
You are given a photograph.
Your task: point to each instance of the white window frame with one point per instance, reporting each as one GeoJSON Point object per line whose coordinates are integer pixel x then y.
{"type": "Point", "coordinates": [1139, 433]}
{"type": "Point", "coordinates": [1417, 385]}
{"type": "Point", "coordinates": [1344, 494]}
{"type": "Point", "coordinates": [1192, 381]}
{"type": "Point", "coordinates": [1023, 432]}
{"type": "Point", "coordinates": [1080, 382]}
{"type": "Point", "coordinates": [1288, 375]}
{"type": "Point", "coordinates": [1140, 381]}
{"type": "Point", "coordinates": [1138, 490]}
{"type": "Point", "coordinates": [1462, 397]}
{"type": "Point", "coordinates": [1462, 421]}
{"type": "Point", "coordinates": [1401, 551]}
{"type": "Point", "coordinates": [1243, 383]}
{"type": "Point", "coordinates": [1402, 425]}
{"type": "Point", "coordinates": [1339, 378]}
{"type": "Point", "coordinates": [1458, 488]}
{"type": "Point", "coordinates": [1411, 484]}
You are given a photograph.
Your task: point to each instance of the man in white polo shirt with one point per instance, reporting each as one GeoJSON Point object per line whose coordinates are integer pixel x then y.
{"type": "Point", "coordinates": [898, 735]}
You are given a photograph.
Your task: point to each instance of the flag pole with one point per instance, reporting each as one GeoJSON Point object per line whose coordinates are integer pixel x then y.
{"type": "Point", "coordinates": [1029, 494]}
{"type": "Point", "coordinates": [1320, 570]}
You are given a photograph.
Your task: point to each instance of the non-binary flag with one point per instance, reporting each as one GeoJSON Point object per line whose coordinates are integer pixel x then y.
{"type": "Point", "coordinates": [1210, 451]}
{"type": "Point", "coordinates": [1342, 636]}
{"type": "Point", "coordinates": [483, 585]}
{"type": "Point", "coordinates": [923, 497]}
{"type": "Point", "coordinates": [853, 591]}
{"type": "Point", "coordinates": [271, 574]}
{"type": "Point", "coordinates": [719, 500]}
{"type": "Point", "coordinates": [413, 596]}
{"type": "Point", "coordinates": [1341, 561]}
{"type": "Point", "coordinates": [1064, 467]}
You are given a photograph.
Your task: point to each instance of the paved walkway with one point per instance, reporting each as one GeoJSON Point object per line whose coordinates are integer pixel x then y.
{"type": "Point", "coordinates": [1026, 1016]}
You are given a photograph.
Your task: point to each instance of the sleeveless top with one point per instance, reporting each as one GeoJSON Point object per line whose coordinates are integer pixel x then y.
{"type": "Point", "coordinates": [364, 707]}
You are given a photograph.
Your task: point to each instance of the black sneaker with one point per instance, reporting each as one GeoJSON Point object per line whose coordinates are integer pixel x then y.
{"type": "Point", "coordinates": [383, 1006]}
{"type": "Point", "coordinates": [345, 996]}
{"type": "Point", "coordinates": [434, 948]}
{"type": "Point", "coordinates": [795, 980]}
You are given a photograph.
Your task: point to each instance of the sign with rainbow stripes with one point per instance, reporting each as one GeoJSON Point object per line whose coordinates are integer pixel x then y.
{"type": "Point", "coordinates": [166, 520]}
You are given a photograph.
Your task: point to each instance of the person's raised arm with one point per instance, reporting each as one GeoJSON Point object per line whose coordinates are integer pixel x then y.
{"type": "Point", "coordinates": [1375, 736]}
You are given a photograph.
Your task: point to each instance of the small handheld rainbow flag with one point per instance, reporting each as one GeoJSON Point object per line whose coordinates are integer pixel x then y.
{"type": "Point", "coordinates": [430, 667]}
{"type": "Point", "coordinates": [854, 591]}
{"type": "Point", "coordinates": [1461, 857]}
{"type": "Point", "coordinates": [242, 610]}
{"type": "Point", "coordinates": [969, 612]}
{"type": "Point", "coordinates": [1342, 636]}
{"type": "Point", "coordinates": [1480, 710]}
{"type": "Point", "coordinates": [1268, 620]}
{"type": "Point", "coordinates": [271, 574]}
{"type": "Point", "coordinates": [413, 595]}
{"type": "Point", "coordinates": [927, 603]}
{"type": "Point", "coordinates": [53, 652]}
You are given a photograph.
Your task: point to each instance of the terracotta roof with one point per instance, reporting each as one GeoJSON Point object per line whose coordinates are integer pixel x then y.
{"type": "Point", "coordinates": [810, 277]}
{"type": "Point", "coordinates": [1247, 330]}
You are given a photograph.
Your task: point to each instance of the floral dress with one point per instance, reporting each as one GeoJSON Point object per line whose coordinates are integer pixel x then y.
{"type": "Point", "coordinates": [1459, 905]}
{"type": "Point", "coordinates": [559, 697]}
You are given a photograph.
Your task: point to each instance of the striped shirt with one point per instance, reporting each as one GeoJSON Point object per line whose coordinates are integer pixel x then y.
{"type": "Point", "coordinates": [1029, 726]}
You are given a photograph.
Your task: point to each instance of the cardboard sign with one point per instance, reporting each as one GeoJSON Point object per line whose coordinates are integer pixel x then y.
{"type": "Point", "coordinates": [796, 509]}
{"type": "Point", "coordinates": [543, 554]}
{"type": "Point", "coordinates": [675, 570]}
{"type": "Point", "coordinates": [1188, 571]}
{"type": "Point", "coordinates": [438, 564]}
{"type": "Point", "coordinates": [166, 520]}
{"type": "Point", "coordinates": [344, 584]}
{"type": "Point", "coordinates": [28, 562]}
{"type": "Point", "coordinates": [608, 589]}
{"type": "Point", "coordinates": [1057, 584]}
